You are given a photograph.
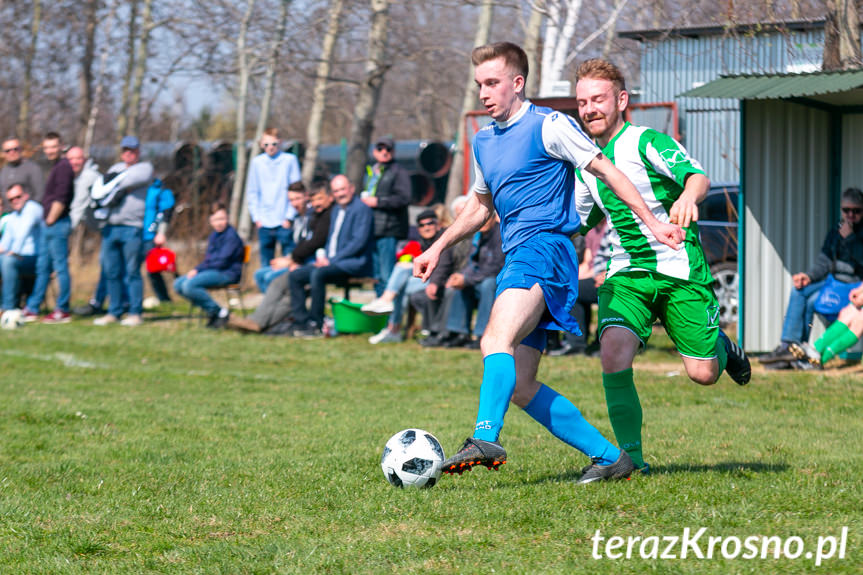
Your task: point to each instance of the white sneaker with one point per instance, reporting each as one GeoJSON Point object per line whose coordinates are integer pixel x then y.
{"type": "Point", "coordinates": [106, 319]}
{"type": "Point", "coordinates": [377, 307]}
{"type": "Point", "coordinates": [151, 302]}
{"type": "Point", "coordinates": [385, 336]}
{"type": "Point", "coordinates": [132, 321]}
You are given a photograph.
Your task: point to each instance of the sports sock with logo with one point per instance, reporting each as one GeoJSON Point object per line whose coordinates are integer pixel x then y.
{"type": "Point", "coordinates": [565, 422]}
{"type": "Point", "coordinates": [624, 412]}
{"type": "Point", "coordinates": [835, 340]}
{"type": "Point", "coordinates": [498, 383]}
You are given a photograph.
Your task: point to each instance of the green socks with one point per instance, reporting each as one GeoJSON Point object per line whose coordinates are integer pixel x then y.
{"type": "Point", "coordinates": [835, 340]}
{"type": "Point", "coordinates": [624, 412]}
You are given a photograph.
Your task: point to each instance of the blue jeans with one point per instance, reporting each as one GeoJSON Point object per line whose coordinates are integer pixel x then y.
{"type": "Point", "coordinates": [269, 237]}
{"type": "Point", "coordinates": [265, 275]}
{"type": "Point", "coordinates": [121, 259]}
{"type": "Point", "coordinates": [480, 298]}
{"type": "Point", "coordinates": [195, 289]}
{"type": "Point", "coordinates": [799, 313]}
{"type": "Point", "coordinates": [403, 284]}
{"type": "Point", "coordinates": [383, 260]}
{"type": "Point", "coordinates": [11, 270]}
{"type": "Point", "coordinates": [317, 279]}
{"type": "Point", "coordinates": [53, 256]}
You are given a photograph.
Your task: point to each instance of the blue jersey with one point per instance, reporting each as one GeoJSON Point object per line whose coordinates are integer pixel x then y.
{"type": "Point", "coordinates": [527, 164]}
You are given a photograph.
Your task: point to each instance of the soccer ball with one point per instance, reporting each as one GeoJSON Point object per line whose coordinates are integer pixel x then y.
{"type": "Point", "coordinates": [412, 458]}
{"type": "Point", "coordinates": [11, 319]}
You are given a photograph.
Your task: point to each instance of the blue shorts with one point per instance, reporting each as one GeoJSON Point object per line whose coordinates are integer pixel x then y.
{"type": "Point", "coordinates": [548, 260]}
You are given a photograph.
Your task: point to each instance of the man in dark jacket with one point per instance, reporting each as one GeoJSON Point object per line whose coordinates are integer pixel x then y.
{"type": "Point", "coordinates": [222, 265]}
{"type": "Point", "coordinates": [54, 240]}
{"type": "Point", "coordinates": [388, 193]}
{"type": "Point", "coordinates": [842, 255]}
{"type": "Point", "coordinates": [474, 288]}
{"type": "Point", "coordinates": [348, 253]}
{"type": "Point", "coordinates": [275, 308]}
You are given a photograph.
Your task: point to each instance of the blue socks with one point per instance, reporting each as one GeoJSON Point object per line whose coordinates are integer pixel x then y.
{"type": "Point", "coordinates": [565, 422]}
{"type": "Point", "coordinates": [498, 383]}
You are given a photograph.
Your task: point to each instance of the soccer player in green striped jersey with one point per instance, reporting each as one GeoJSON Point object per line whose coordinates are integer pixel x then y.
{"type": "Point", "coordinates": [647, 280]}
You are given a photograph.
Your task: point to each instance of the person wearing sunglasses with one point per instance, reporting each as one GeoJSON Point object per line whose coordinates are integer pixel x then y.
{"type": "Point", "coordinates": [388, 193]}
{"type": "Point", "coordinates": [842, 256]}
{"type": "Point", "coordinates": [270, 175]}
{"type": "Point", "coordinates": [19, 243]}
{"type": "Point", "coordinates": [18, 170]}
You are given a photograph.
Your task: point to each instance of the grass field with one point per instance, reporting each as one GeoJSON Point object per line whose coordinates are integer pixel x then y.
{"type": "Point", "coordinates": [172, 449]}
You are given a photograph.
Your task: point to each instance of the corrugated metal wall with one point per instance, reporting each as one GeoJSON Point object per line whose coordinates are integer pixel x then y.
{"type": "Point", "coordinates": [786, 187]}
{"type": "Point", "coordinates": [710, 127]}
{"type": "Point", "coordinates": [852, 142]}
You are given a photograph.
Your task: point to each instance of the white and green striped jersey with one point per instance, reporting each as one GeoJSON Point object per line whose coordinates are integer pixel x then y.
{"type": "Point", "coordinates": [658, 166]}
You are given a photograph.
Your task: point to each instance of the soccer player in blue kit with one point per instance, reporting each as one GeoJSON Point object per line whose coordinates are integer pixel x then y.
{"type": "Point", "coordinates": [524, 165]}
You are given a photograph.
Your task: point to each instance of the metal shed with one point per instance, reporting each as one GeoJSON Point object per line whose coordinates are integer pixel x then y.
{"type": "Point", "coordinates": [802, 137]}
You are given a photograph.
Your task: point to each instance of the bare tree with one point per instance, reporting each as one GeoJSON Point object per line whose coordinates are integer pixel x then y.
{"type": "Point", "coordinates": [133, 112]}
{"type": "Point", "coordinates": [369, 92]}
{"type": "Point", "coordinates": [483, 28]}
{"type": "Point", "coordinates": [842, 36]}
{"type": "Point", "coordinates": [531, 46]}
{"type": "Point", "coordinates": [242, 94]}
{"type": "Point", "coordinates": [313, 129]}
{"type": "Point", "coordinates": [85, 76]}
{"type": "Point", "coordinates": [23, 127]}
{"type": "Point", "coordinates": [123, 118]}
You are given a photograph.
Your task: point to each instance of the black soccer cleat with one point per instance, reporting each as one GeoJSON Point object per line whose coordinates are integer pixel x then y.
{"type": "Point", "coordinates": [475, 452]}
{"type": "Point", "coordinates": [620, 469]}
{"type": "Point", "coordinates": [738, 367]}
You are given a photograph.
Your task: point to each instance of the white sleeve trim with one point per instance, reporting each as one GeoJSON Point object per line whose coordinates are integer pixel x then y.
{"type": "Point", "coordinates": [479, 184]}
{"type": "Point", "coordinates": [564, 140]}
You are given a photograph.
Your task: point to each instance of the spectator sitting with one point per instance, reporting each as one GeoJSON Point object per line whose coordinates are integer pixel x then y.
{"type": "Point", "coordinates": [19, 243]}
{"type": "Point", "coordinates": [348, 253]}
{"type": "Point", "coordinates": [299, 200]}
{"type": "Point", "coordinates": [402, 283]}
{"type": "Point", "coordinates": [272, 314]}
{"type": "Point", "coordinates": [222, 265]}
{"type": "Point", "coordinates": [475, 287]}
{"type": "Point", "coordinates": [839, 336]}
{"type": "Point", "coordinates": [842, 255]}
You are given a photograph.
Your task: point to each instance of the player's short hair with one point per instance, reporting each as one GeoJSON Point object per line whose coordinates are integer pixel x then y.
{"type": "Point", "coordinates": [853, 196]}
{"type": "Point", "coordinates": [272, 132]}
{"type": "Point", "coordinates": [297, 187]}
{"type": "Point", "coordinates": [598, 68]}
{"type": "Point", "coordinates": [512, 54]}
{"type": "Point", "coordinates": [52, 136]}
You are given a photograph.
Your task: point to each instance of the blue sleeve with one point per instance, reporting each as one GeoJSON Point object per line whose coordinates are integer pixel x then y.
{"type": "Point", "coordinates": [359, 223]}
{"type": "Point", "coordinates": [166, 200]}
{"type": "Point", "coordinates": [253, 192]}
{"type": "Point", "coordinates": [223, 251]}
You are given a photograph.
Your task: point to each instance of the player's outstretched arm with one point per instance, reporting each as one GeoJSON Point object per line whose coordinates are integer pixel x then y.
{"type": "Point", "coordinates": [684, 210]}
{"type": "Point", "coordinates": [601, 167]}
{"type": "Point", "coordinates": [477, 211]}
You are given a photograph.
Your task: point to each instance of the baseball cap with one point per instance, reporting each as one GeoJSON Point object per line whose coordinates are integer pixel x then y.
{"type": "Point", "coordinates": [426, 214]}
{"type": "Point", "coordinates": [386, 141]}
{"type": "Point", "coordinates": [130, 142]}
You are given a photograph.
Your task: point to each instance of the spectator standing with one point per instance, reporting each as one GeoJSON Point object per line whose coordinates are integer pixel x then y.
{"type": "Point", "coordinates": [158, 209]}
{"type": "Point", "coordinates": [54, 237]}
{"type": "Point", "coordinates": [19, 243]}
{"type": "Point", "coordinates": [222, 265]}
{"type": "Point", "coordinates": [18, 170]}
{"type": "Point", "coordinates": [122, 234]}
{"type": "Point", "coordinates": [85, 175]}
{"type": "Point", "coordinates": [270, 175]}
{"type": "Point", "coordinates": [348, 253]}
{"type": "Point", "coordinates": [299, 201]}
{"type": "Point", "coordinates": [388, 193]}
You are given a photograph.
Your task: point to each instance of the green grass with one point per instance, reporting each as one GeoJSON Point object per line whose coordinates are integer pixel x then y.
{"type": "Point", "coordinates": [172, 449]}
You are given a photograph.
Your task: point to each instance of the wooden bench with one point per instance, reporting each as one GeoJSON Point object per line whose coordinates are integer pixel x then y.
{"type": "Point", "coordinates": [354, 282]}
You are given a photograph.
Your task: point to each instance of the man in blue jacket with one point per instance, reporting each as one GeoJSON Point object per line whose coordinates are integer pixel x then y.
{"type": "Point", "coordinates": [348, 253]}
{"type": "Point", "coordinates": [222, 265]}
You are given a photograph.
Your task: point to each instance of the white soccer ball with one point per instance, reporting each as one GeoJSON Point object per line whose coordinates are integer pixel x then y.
{"type": "Point", "coordinates": [11, 319]}
{"type": "Point", "coordinates": [412, 458]}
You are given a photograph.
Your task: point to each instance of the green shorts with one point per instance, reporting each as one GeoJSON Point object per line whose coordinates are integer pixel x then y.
{"type": "Point", "coordinates": [634, 300]}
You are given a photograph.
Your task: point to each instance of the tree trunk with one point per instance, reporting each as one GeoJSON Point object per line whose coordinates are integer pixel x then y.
{"type": "Point", "coordinates": [531, 48]}
{"type": "Point", "coordinates": [244, 227]}
{"type": "Point", "coordinates": [842, 36]}
{"type": "Point", "coordinates": [556, 47]}
{"type": "Point", "coordinates": [85, 77]}
{"type": "Point", "coordinates": [319, 94]}
{"type": "Point", "coordinates": [237, 194]}
{"type": "Point", "coordinates": [23, 127]}
{"type": "Point", "coordinates": [134, 110]}
{"type": "Point", "coordinates": [122, 117]}
{"type": "Point", "coordinates": [369, 93]}
{"type": "Point", "coordinates": [93, 112]}
{"type": "Point", "coordinates": [456, 182]}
